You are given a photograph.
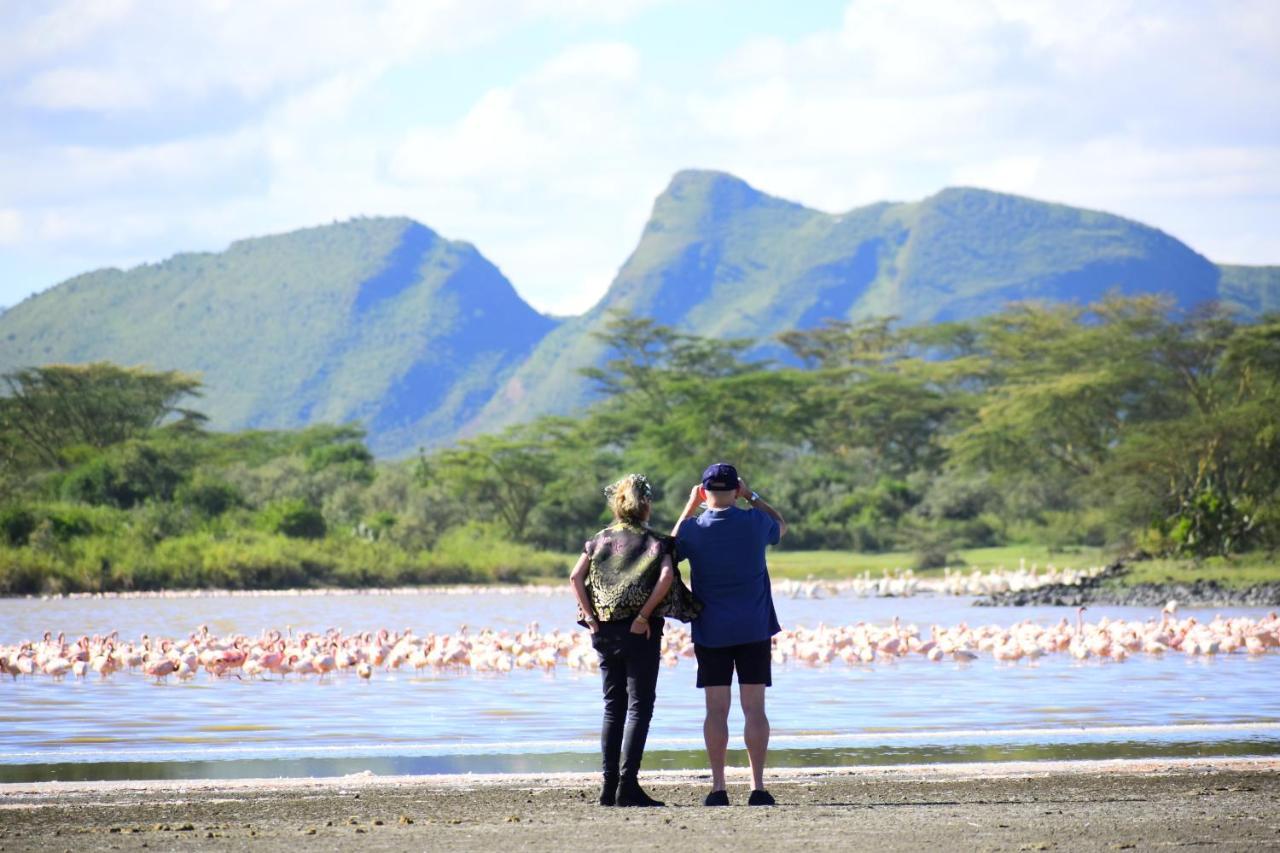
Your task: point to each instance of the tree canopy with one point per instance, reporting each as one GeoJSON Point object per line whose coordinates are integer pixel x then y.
{"type": "Point", "coordinates": [1118, 423]}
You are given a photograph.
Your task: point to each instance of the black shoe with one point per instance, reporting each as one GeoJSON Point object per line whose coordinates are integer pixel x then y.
{"type": "Point", "coordinates": [608, 793]}
{"type": "Point", "coordinates": [717, 798]}
{"type": "Point", "coordinates": [631, 794]}
{"type": "Point", "coordinates": [761, 797]}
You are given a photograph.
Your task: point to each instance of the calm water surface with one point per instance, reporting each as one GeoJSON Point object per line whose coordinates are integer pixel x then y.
{"type": "Point", "coordinates": [911, 710]}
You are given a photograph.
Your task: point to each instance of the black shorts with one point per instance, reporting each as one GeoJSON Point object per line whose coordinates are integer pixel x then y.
{"type": "Point", "coordinates": [753, 661]}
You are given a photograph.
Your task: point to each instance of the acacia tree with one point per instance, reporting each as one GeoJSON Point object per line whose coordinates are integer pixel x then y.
{"type": "Point", "coordinates": [679, 401]}
{"type": "Point", "coordinates": [1212, 468]}
{"type": "Point", "coordinates": [1159, 420]}
{"type": "Point", "coordinates": [499, 475]}
{"type": "Point", "coordinates": [646, 355]}
{"type": "Point", "coordinates": [50, 408]}
{"type": "Point", "coordinates": [870, 390]}
{"type": "Point", "coordinates": [1064, 384]}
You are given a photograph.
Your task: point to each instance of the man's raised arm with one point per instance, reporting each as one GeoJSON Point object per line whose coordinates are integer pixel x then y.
{"type": "Point", "coordinates": [761, 504]}
{"type": "Point", "coordinates": [696, 497]}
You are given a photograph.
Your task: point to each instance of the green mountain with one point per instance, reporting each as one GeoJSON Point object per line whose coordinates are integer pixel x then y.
{"type": "Point", "coordinates": [718, 257]}
{"type": "Point", "coordinates": [1254, 290]}
{"type": "Point", "coordinates": [422, 340]}
{"type": "Point", "coordinates": [376, 320]}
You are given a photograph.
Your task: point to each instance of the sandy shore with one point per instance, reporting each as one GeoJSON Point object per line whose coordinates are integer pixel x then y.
{"type": "Point", "coordinates": [1229, 804]}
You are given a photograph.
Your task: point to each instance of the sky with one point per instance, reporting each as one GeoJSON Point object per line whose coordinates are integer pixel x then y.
{"type": "Point", "coordinates": [542, 130]}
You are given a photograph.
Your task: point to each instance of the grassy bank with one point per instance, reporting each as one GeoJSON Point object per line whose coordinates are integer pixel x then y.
{"type": "Point", "coordinates": [834, 565]}
{"type": "Point", "coordinates": [251, 559]}
{"type": "Point", "coordinates": [1241, 571]}
{"type": "Point", "coordinates": [259, 560]}
{"type": "Point", "coordinates": [1234, 572]}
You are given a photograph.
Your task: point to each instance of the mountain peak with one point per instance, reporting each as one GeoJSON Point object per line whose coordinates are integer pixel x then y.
{"type": "Point", "coordinates": [357, 227]}
{"type": "Point", "coordinates": [698, 181]}
{"type": "Point", "coordinates": [700, 199]}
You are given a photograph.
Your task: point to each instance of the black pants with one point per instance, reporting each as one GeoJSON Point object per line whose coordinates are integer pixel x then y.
{"type": "Point", "coordinates": [629, 669]}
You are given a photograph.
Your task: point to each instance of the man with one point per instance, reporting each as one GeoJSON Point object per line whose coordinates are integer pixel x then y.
{"type": "Point", "coordinates": [725, 547]}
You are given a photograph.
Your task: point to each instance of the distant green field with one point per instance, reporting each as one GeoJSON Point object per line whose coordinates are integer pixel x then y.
{"type": "Point", "coordinates": [834, 565]}
{"type": "Point", "coordinates": [841, 564]}
{"type": "Point", "coordinates": [1245, 570]}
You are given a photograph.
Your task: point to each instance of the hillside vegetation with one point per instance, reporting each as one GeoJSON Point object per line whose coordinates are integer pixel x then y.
{"type": "Point", "coordinates": [376, 321]}
{"type": "Point", "coordinates": [421, 340]}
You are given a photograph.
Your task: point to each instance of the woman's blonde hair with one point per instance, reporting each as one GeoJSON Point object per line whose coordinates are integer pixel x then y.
{"type": "Point", "coordinates": [629, 498]}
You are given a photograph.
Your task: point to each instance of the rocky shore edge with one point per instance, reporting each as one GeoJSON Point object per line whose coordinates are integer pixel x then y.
{"type": "Point", "coordinates": [1105, 588]}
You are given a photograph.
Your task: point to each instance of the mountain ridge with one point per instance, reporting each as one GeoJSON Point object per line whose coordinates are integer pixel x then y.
{"type": "Point", "coordinates": [382, 320]}
{"type": "Point", "coordinates": [719, 257]}
{"type": "Point", "coordinates": [379, 320]}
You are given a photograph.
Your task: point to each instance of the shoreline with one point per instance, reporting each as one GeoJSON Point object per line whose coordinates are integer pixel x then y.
{"type": "Point", "coordinates": [1103, 591]}
{"type": "Point", "coordinates": [565, 780]}
{"type": "Point", "coordinates": [1108, 804]}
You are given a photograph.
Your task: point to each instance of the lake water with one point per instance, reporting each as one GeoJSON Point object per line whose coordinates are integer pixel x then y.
{"type": "Point", "coordinates": [907, 711]}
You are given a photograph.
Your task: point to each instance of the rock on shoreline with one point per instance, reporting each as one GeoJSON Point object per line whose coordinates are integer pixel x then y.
{"type": "Point", "coordinates": [1105, 588]}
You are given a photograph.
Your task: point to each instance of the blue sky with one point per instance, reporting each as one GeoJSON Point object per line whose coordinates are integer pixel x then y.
{"type": "Point", "coordinates": [541, 130]}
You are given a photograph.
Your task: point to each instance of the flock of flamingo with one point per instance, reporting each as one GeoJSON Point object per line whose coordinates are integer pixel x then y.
{"type": "Point", "coordinates": [278, 655]}
{"type": "Point", "coordinates": [896, 583]}
{"type": "Point", "coordinates": [903, 584]}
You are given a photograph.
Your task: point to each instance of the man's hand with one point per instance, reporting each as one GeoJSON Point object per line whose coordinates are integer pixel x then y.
{"type": "Point", "coordinates": [744, 491]}
{"type": "Point", "coordinates": [593, 625]}
{"type": "Point", "coordinates": [696, 496]}
{"type": "Point", "coordinates": [640, 625]}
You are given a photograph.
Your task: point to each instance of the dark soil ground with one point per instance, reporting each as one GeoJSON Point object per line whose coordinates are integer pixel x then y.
{"type": "Point", "coordinates": [1224, 805]}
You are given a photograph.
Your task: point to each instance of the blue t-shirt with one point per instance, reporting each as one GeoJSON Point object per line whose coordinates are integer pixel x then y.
{"type": "Point", "coordinates": [727, 571]}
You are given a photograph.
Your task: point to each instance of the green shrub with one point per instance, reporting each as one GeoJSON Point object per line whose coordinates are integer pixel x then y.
{"type": "Point", "coordinates": [351, 459]}
{"type": "Point", "coordinates": [123, 476]}
{"type": "Point", "coordinates": [482, 549]}
{"type": "Point", "coordinates": [267, 563]}
{"type": "Point", "coordinates": [61, 523]}
{"type": "Point", "coordinates": [294, 518]}
{"type": "Point", "coordinates": [210, 498]}
{"type": "Point", "coordinates": [70, 522]}
{"type": "Point", "coordinates": [17, 524]}
{"type": "Point", "coordinates": [1210, 522]}
{"type": "Point", "coordinates": [27, 572]}
{"type": "Point", "coordinates": [160, 520]}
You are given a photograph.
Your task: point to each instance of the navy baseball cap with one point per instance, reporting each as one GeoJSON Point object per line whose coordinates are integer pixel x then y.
{"type": "Point", "coordinates": [720, 477]}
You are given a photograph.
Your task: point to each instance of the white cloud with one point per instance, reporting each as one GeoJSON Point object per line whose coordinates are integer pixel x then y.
{"type": "Point", "coordinates": [11, 230]}
{"type": "Point", "coordinates": [494, 140]}
{"type": "Point", "coordinates": [127, 57]}
{"type": "Point", "coordinates": [613, 60]}
{"type": "Point", "coordinates": [86, 89]}
{"type": "Point", "coordinates": [48, 32]}
{"type": "Point", "coordinates": [166, 170]}
{"type": "Point", "coordinates": [1016, 174]}
{"type": "Point", "coordinates": [1163, 111]}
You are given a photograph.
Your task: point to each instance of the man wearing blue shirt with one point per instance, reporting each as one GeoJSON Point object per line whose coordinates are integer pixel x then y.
{"type": "Point", "coordinates": [725, 547]}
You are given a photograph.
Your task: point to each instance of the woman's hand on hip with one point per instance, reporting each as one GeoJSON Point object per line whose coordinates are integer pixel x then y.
{"type": "Point", "coordinates": [640, 625]}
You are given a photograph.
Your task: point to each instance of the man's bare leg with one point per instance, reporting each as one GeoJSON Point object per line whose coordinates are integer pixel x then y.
{"type": "Point", "coordinates": [715, 732]}
{"type": "Point", "coordinates": [755, 731]}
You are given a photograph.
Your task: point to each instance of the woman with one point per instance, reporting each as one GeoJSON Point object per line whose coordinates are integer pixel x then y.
{"type": "Point", "coordinates": [621, 581]}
